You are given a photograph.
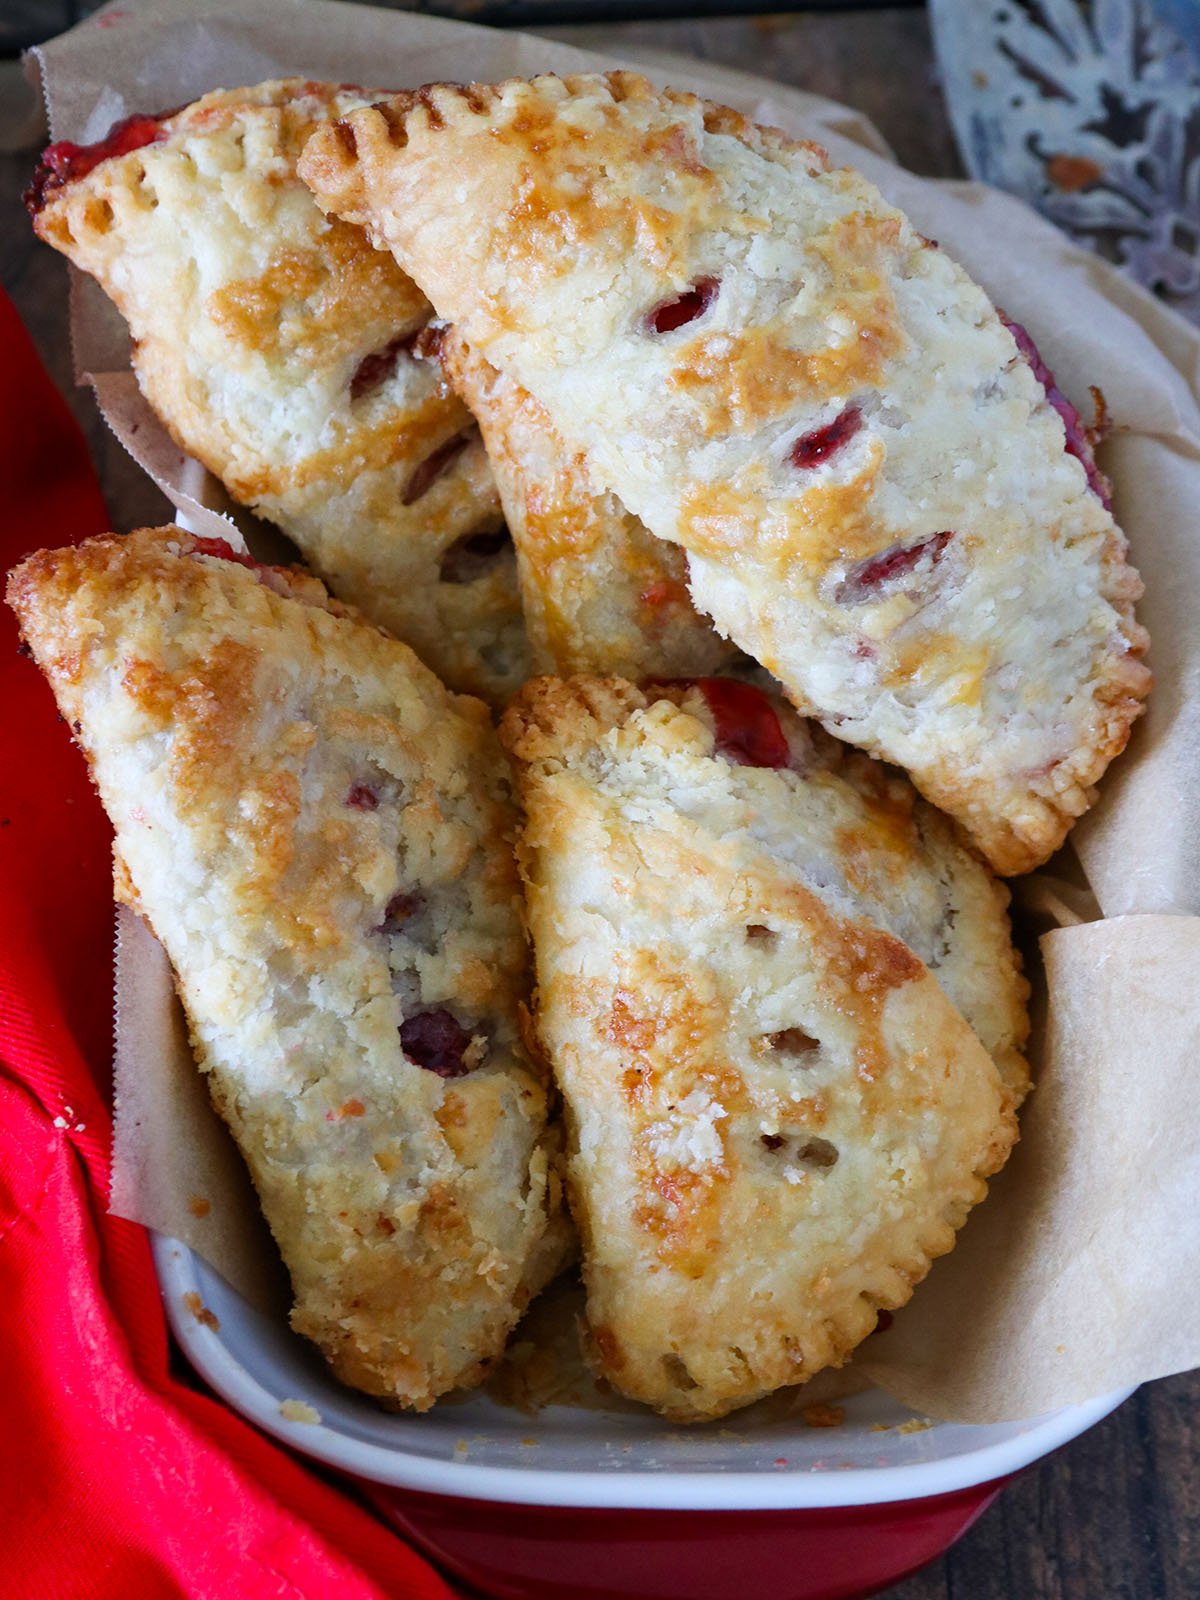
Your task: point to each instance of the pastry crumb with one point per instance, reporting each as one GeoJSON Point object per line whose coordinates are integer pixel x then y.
{"type": "Point", "coordinates": [298, 1411]}
{"type": "Point", "coordinates": [915, 1425]}
{"type": "Point", "coordinates": [821, 1416]}
{"type": "Point", "coordinates": [200, 1311]}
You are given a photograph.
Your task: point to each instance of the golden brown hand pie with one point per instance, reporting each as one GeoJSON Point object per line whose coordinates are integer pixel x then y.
{"type": "Point", "coordinates": [600, 592]}
{"type": "Point", "coordinates": [777, 1116]}
{"type": "Point", "coordinates": [278, 348]}
{"type": "Point", "coordinates": [770, 367]}
{"type": "Point", "coordinates": [317, 831]}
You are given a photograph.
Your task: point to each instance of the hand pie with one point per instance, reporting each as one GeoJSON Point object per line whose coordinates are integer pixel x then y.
{"type": "Point", "coordinates": [600, 592]}
{"type": "Point", "coordinates": [777, 1116]}
{"type": "Point", "coordinates": [770, 367]}
{"type": "Point", "coordinates": [317, 832]}
{"type": "Point", "coordinates": [278, 349]}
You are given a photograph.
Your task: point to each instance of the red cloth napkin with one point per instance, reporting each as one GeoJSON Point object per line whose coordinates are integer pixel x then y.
{"type": "Point", "coordinates": [117, 1480]}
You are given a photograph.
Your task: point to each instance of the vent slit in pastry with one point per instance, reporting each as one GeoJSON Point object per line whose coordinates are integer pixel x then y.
{"type": "Point", "coordinates": [791, 1042]}
{"type": "Point", "coordinates": [687, 307]}
{"type": "Point", "coordinates": [469, 557]}
{"type": "Point", "coordinates": [810, 449]}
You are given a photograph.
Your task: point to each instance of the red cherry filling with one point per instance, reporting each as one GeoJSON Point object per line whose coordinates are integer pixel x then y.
{"type": "Point", "coordinates": [745, 725]}
{"type": "Point", "coordinates": [1078, 441]}
{"type": "Point", "coordinates": [64, 162]}
{"type": "Point", "coordinates": [692, 303]}
{"type": "Point", "coordinates": [473, 555]}
{"type": "Point", "coordinates": [362, 797]}
{"type": "Point", "coordinates": [281, 580]}
{"type": "Point", "coordinates": [431, 469]}
{"type": "Point", "coordinates": [860, 582]}
{"type": "Point", "coordinates": [374, 370]}
{"type": "Point", "coordinates": [437, 1041]}
{"type": "Point", "coordinates": [223, 550]}
{"type": "Point", "coordinates": [810, 449]}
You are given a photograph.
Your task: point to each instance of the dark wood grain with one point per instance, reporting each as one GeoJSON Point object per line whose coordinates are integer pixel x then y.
{"type": "Point", "coordinates": [1116, 1514]}
{"type": "Point", "coordinates": [880, 62]}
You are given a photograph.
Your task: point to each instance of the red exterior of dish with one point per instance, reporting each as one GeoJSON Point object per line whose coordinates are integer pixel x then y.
{"type": "Point", "coordinates": [515, 1552]}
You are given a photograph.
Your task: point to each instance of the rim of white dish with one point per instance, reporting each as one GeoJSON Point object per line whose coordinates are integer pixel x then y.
{"type": "Point", "coordinates": [656, 1491]}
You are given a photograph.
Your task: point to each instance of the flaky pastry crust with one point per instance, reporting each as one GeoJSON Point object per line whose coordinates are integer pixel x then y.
{"type": "Point", "coordinates": [318, 833]}
{"type": "Point", "coordinates": [777, 1118]}
{"type": "Point", "coordinates": [769, 366]}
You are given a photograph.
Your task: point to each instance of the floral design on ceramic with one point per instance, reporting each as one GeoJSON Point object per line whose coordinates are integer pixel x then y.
{"type": "Point", "coordinates": [1090, 109]}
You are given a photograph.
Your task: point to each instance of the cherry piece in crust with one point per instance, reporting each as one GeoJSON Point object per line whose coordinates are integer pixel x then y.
{"type": "Point", "coordinates": [437, 1041]}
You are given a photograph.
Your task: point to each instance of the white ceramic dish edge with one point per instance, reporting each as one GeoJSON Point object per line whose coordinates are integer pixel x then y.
{"type": "Point", "coordinates": [220, 1355]}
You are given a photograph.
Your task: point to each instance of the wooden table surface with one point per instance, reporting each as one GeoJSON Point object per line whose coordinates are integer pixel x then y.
{"type": "Point", "coordinates": [1116, 1514]}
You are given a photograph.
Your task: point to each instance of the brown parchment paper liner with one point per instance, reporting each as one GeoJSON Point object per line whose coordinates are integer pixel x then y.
{"type": "Point", "coordinates": [1078, 1275]}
